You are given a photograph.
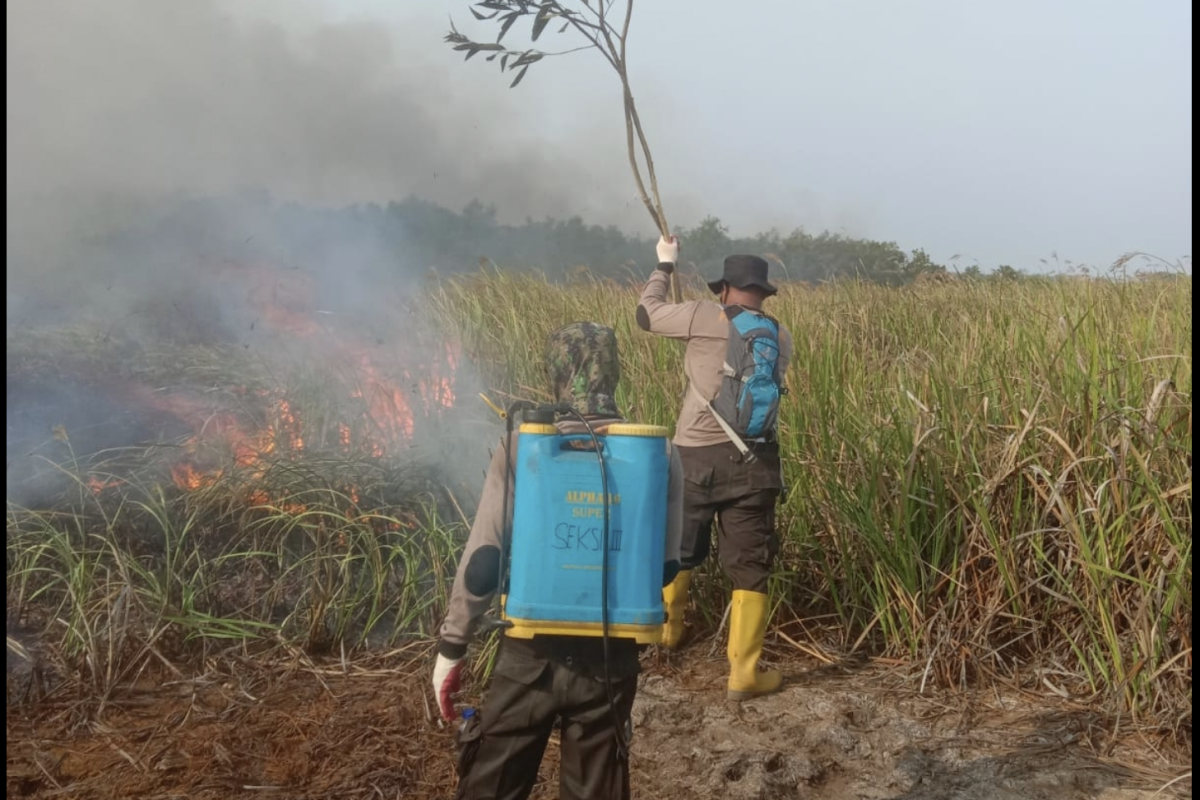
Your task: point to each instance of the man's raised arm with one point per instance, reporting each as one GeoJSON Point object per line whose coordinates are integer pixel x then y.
{"type": "Point", "coordinates": [654, 313]}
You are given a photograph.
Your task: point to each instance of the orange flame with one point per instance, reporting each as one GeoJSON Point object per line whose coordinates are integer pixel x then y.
{"type": "Point", "coordinates": [186, 476]}
{"type": "Point", "coordinates": [96, 485]}
{"type": "Point", "coordinates": [283, 302]}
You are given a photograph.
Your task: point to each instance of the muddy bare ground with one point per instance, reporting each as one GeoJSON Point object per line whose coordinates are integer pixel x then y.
{"type": "Point", "coordinates": [293, 729]}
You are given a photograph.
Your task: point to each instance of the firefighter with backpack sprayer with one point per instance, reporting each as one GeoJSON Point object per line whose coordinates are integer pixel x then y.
{"type": "Point", "coordinates": [583, 682]}
{"type": "Point", "coordinates": [735, 363]}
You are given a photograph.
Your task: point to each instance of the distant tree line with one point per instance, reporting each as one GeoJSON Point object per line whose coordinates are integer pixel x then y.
{"type": "Point", "coordinates": [416, 236]}
{"type": "Point", "coordinates": [436, 237]}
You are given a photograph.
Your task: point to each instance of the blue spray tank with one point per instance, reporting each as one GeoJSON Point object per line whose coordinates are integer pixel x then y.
{"type": "Point", "coordinates": [561, 580]}
{"type": "Point", "coordinates": [543, 570]}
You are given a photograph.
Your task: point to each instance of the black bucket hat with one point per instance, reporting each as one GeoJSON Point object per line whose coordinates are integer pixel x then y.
{"type": "Point", "coordinates": [742, 272]}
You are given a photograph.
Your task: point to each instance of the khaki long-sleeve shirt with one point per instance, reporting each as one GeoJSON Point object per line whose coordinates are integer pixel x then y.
{"type": "Point", "coordinates": [475, 582]}
{"type": "Point", "coordinates": [702, 324]}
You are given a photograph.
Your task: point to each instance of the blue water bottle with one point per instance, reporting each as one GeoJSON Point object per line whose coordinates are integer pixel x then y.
{"type": "Point", "coordinates": [467, 741]}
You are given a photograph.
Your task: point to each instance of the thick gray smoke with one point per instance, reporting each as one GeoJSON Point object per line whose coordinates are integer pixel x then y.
{"type": "Point", "coordinates": [115, 108]}
{"type": "Point", "coordinates": [140, 97]}
{"type": "Point", "coordinates": [121, 109]}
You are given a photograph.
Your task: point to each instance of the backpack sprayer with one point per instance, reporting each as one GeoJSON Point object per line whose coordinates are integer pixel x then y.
{"type": "Point", "coordinates": [590, 502]}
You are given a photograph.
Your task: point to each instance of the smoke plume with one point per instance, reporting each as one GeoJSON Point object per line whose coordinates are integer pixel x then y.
{"type": "Point", "coordinates": [124, 112]}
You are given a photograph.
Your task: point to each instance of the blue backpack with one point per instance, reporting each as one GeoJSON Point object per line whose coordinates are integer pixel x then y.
{"type": "Point", "coordinates": [751, 386]}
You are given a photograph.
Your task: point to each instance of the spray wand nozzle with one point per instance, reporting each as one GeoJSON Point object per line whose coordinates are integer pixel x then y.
{"type": "Point", "coordinates": [500, 412]}
{"type": "Point", "coordinates": [525, 405]}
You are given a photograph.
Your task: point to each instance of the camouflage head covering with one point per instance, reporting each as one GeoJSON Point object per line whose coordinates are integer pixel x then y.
{"type": "Point", "coordinates": [584, 368]}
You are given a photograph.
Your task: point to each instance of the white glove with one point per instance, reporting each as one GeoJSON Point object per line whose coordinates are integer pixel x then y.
{"type": "Point", "coordinates": [668, 250]}
{"type": "Point", "coordinates": [447, 680]}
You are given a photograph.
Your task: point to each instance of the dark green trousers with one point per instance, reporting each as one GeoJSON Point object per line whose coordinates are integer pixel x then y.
{"type": "Point", "coordinates": [534, 686]}
{"type": "Point", "coordinates": [719, 484]}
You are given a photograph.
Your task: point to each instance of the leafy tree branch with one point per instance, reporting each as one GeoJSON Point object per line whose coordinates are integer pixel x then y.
{"type": "Point", "coordinates": [594, 22]}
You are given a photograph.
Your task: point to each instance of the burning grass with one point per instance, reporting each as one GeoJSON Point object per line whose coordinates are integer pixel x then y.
{"type": "Point", "coordinates": [167, 501]}
{"type": "Point", "coordinates": [989, 481]}
{"type": "Point", "coordinates": [330, 555]}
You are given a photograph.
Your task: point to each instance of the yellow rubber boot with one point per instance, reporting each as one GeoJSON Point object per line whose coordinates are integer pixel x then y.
{"type": "Point", "coordinates": [675, 597]}
{"type": "Point", "coordinates": [747, 627]}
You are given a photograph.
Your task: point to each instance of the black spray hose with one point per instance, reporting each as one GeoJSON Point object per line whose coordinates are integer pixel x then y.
{"type": "Point", "coordinates": [618, 728]}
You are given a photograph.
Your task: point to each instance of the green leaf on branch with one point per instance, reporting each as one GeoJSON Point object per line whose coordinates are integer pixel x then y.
{"type": "Point", "coordinates": [520, 75]}
{"type": "Point", "coordinates": [539, 24]}
{"type": "Point", "coordinates": [527, 58]}
{"type": "Point", "coordinates": [509, 19]}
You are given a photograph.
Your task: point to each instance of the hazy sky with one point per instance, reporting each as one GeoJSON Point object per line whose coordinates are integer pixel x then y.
{"type": "Point", "coordinates": [1000, 132]}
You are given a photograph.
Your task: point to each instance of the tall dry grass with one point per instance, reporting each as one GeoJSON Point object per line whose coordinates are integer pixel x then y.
{"type": "Point", "coordinates": [988, 479]}
{"type": "Point", "coordinates": [298, 523]}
